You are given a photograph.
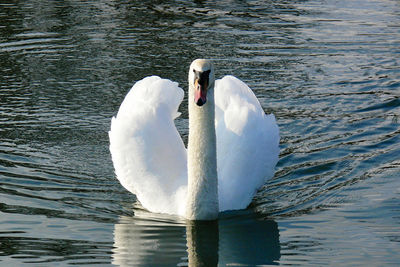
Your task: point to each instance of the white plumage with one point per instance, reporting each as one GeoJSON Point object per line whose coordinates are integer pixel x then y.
{"type": "Point", "coordinates": [150, 158]}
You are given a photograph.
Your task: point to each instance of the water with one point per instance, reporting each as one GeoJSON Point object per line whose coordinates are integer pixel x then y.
{"type": "Point", "coordinates": [328, 70]}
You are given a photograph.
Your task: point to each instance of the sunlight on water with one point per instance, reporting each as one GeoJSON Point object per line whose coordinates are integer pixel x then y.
{"type": "Point", "coordinates": [328, 70]}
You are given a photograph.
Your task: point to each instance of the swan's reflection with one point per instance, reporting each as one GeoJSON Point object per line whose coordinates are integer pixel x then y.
{"type": "Point", "coordinates": [202, 243]}
{"type": "Point", "coordinates": [156, 240]}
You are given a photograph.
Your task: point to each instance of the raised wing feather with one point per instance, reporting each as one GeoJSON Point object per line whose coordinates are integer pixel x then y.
{"type": "Point", "coordinates": [147, 151]}
{"type": "Point", "coordinates": [247, 143]}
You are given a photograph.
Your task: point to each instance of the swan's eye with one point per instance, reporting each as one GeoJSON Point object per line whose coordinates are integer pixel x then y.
{"type": "Point", "coordinates": [202, 75]}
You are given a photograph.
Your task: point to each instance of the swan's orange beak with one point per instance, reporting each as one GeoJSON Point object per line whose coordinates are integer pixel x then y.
{"type": "Point", "coordinates": [200, 92]}
{"type": "Point", "coordinates": [200, 87]}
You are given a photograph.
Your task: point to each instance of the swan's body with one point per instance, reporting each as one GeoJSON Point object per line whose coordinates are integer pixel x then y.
{"type": "Point", "coordinates": [233, 146]}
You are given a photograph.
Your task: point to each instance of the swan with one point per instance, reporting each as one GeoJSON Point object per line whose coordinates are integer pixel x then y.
{"type": "Point", "coordinates": [233, 146]}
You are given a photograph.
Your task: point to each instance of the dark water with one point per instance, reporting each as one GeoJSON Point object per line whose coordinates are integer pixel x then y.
{"type": "Point", "coordinates": [329, 71]}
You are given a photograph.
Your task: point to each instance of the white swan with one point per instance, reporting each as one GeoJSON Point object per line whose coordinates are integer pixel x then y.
{"type": "Point", "coordinates": [232, 150]}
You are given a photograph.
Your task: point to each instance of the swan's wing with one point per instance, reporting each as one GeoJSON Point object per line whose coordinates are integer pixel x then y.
{"type": "Point", "coordinates": [147, 151]}
{"type": "Point", "coordinates": [247, 143]}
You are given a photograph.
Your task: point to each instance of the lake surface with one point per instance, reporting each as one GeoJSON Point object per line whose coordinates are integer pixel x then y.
{"type": "Point", "coordinates": [329, 71]}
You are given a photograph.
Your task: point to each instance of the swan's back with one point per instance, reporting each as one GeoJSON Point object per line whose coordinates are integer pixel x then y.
{"type": "Point", "coordinates": [247, 143]}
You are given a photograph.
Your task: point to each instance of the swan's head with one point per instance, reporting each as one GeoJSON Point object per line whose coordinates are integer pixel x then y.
{"type": "Point", "coordinates": [201, 79]}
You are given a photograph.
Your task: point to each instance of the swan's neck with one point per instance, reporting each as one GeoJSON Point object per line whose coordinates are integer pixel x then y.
{"type": "Point", "coordinates": [202, 195]}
